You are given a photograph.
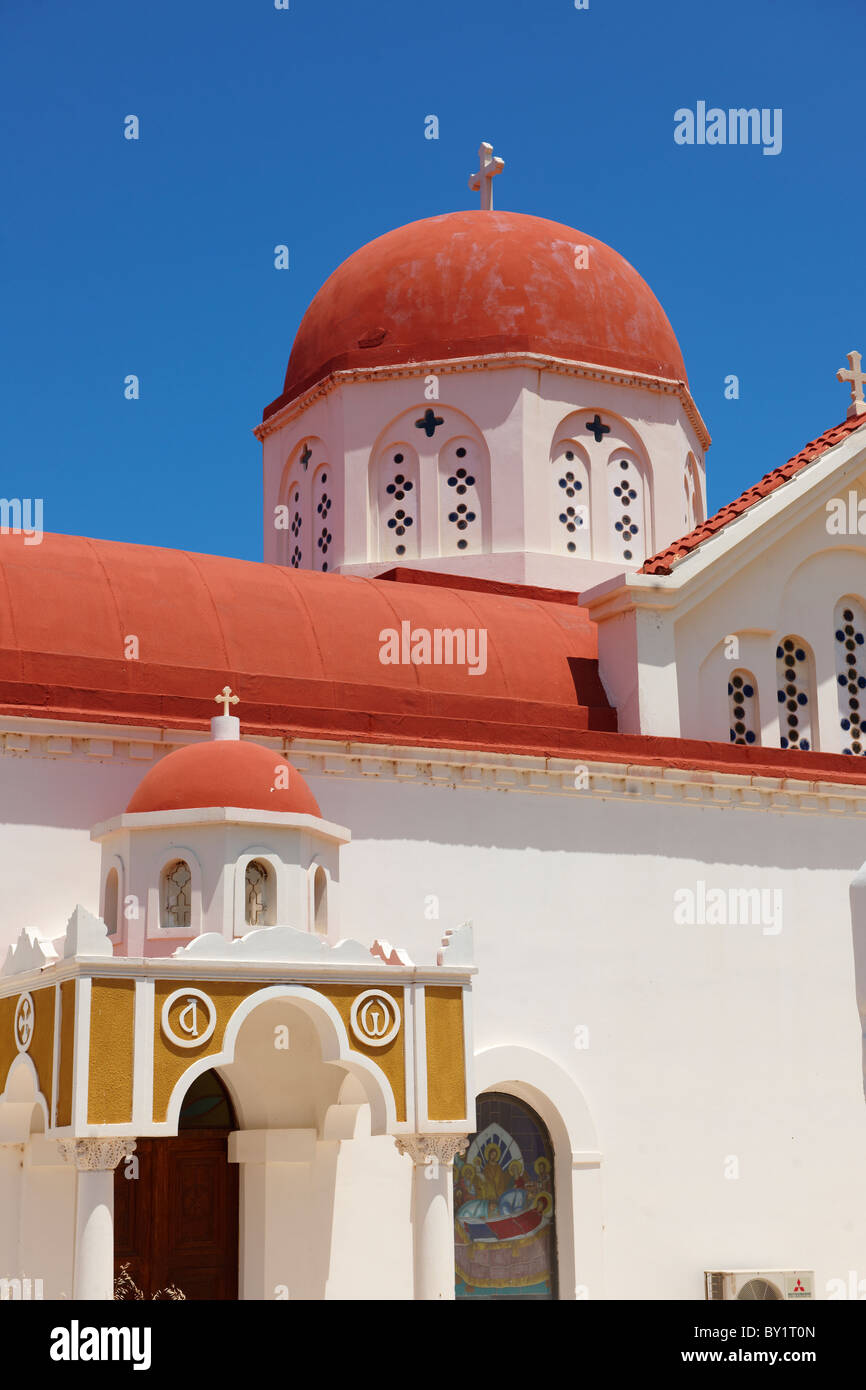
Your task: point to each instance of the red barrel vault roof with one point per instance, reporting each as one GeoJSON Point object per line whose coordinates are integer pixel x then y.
{"type": "Point", "coordinates": [469, 284]}
{"type": "Point", "coordinates": [301, 649]}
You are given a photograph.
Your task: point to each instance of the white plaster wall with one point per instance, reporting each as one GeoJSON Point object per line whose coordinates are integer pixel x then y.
{"type": "Point", "coordinates": [705, 1042]}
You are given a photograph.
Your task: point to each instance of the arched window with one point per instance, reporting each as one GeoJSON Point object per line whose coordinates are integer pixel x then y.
{"type": "Point", "coordinates": [396, 484]}
{"type": "Point", "coordinates": [693, 501]}
{"type": "Point", "coordinates": [626, 510]}
{"type": "Point", "coordinates": [504, 1216]}
{"type": "Point", "coordinates": [296, 524]}
{"type": "Point", "coordinates": [569, 481]}
{"type": "Point", "coordinates": [258, 893]}
{"type": "Point", "coordinates": [207, 1105]}
{"type": "Point", "coordinates": [176, 895]}
{"type": "Point", "coordinates": [743, 708]}
{"type": "Point", "coordinates": [462, 488]}
{"type": "Point", "coordinates": [794, 677]}
{"type": "Point", "coordinates": [323, 500]}
{"type": "Point", "coordinates": [109, 901]}
{"type": "Point", "coordinates": [320, 900]}
{"type": "Point", "coordinates": [851, 673]}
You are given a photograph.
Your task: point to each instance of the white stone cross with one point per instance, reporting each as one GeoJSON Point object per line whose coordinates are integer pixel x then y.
{"type": "Point", "coordinates": [226, 699]}
{"type": "Point", "coordinates": [489, 166]}
{"type": "Point", "coordinates": [857, 377]}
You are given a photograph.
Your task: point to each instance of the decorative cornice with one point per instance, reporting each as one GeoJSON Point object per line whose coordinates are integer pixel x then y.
{"type": "Point", "coordinates": [96, 1155]}
{"type": "Point", "coordinates": [478, 770]}
{"type": "Point", "coordinates": [443, 1148]}
{"type": "Point", "coordinates": [496, 361]}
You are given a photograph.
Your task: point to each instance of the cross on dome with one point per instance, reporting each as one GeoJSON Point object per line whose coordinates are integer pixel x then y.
{"type": "Point", "coordinates": [855, 375]}
{"type": "Point", "coordinates": [489, 166]}
{"type": "Point", "coordinates": [226, 698]}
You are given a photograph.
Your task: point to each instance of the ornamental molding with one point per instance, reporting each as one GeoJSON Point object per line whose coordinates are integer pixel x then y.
{"type": "Point", "coordinates": [95, 1155]}
{"type": "Point", "coordinates": [443, 1148]}
{"type": "Point", "coordinates": [494, 361]}
{"type": "Point", "coordinates": [507, 773]}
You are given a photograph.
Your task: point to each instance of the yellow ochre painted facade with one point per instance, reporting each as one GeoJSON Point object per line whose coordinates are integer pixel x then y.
{"type": "Point", "coordinates": [88, 1071]}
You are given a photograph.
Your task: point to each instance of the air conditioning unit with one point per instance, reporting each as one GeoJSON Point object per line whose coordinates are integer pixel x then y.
{"type": "Point", "coordinates": [760, 1284]}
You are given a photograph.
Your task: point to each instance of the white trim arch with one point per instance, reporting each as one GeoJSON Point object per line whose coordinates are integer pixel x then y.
{"type": "Point", "coordinates": [109, 862]}
{"type": "Point", "coordinates": [559, 1102]}
{"type": "Point", "coordinates": [19, 1099]}
{"type": "Point", "coordinates": [334, 1042]}
{"type": "Point", "coordinates": [312, 906]}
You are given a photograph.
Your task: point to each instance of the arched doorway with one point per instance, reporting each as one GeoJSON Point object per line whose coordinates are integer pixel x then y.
{"type": "Point", "coordinates": [504, 1216]}
{"type": "Point", "coordinates": [176, 1223]}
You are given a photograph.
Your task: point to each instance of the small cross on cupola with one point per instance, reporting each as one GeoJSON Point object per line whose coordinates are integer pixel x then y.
{"type": "Point", "coordinates": [488, 166]}
{"type": "Point", "coordinates": [225, 725]}
{"type": "Point", "coordinates": [855, 375]}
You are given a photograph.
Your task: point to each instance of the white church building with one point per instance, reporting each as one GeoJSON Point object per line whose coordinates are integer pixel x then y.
{"type": "Point", "coordinates": [500, 932]}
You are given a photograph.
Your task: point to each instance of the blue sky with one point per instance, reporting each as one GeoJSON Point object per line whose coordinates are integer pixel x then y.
{"type": "Point", "coordinates": [306, 127]}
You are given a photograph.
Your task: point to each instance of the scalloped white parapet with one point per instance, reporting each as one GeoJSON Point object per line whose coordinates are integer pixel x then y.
{"type": "Point", "coordinates": [285, 944]}
{"type": "Point", "coordinates": [391, 955]}
{"type": "Point", "coordinates": [86, 935]}
{"type": "Point", "coordinates": [457, 946]}
{"type": "Point", "coordinates": [29, 952]}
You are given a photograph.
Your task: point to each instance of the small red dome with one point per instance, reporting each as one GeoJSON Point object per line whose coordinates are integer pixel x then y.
{"type": "Point", "coordinates": [224, 772]}
{"type": "Point", "coordinates": [467, 284]}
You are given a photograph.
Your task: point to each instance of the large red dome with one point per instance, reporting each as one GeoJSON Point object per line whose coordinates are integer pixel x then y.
{"type": "Point", "coordinates": [469, 284]}
{"type": "Point", "coordinates": [224, 772]}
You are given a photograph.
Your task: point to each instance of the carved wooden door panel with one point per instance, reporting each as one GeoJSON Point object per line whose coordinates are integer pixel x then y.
{"type": "Point", "coordinates": [177, 1223]}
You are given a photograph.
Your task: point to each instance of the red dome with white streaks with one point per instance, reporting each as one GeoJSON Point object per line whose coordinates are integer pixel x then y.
{"type": "Point", "coordinates": [474, 284]}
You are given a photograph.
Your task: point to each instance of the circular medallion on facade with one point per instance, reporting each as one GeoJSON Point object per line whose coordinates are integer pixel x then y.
{"type": "Point", "coordinates": [23, 1024]}
{"type": "Point", "coordinates": [375, 1018]}
{"type": "Point", "coordinates": [188, 1017]}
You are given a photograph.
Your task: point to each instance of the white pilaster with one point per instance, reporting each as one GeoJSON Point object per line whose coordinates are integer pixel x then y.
{"type": "Point", "coordinates": [95, 1161]}
{"type": "Point", "coordinates": [433, 1210]}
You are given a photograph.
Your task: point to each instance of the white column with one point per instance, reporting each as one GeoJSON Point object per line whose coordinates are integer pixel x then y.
{"type": "Point", "coordinates": [95, 1161]}
{"type": "Point", "coordinates": [433, 1210]}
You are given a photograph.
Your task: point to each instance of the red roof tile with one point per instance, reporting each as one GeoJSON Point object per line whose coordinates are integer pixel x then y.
{"type": "Point", "coordinates": [665, 560]}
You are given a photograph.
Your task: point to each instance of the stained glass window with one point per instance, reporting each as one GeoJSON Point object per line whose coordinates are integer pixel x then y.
{"type": "Point", "coordinates": [176, 895]}
{"type": "Point", "coordinates": [256, 893]}
{"type": "Point", "coordinates": [504, 1217]}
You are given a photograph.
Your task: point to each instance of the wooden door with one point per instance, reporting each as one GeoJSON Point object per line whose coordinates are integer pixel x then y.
{"type": "Point", "coordinates": [177, 1222]}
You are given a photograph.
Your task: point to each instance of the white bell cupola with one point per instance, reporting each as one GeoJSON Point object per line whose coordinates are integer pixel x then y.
{"type": "Point", "coordinates": [222, 837]}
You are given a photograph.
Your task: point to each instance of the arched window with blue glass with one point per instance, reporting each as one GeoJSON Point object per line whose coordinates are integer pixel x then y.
{"type": "Point", "coordinates": [504, 1214]}
{"type": "Point", "coordinates": [796, 694]}
{"type": "Point", "coordinates": [850, 628]}
{"type": "Point", "coordinates": [743, 708]}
